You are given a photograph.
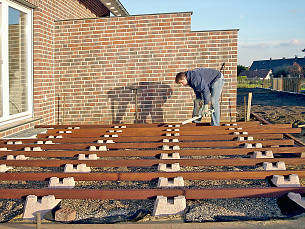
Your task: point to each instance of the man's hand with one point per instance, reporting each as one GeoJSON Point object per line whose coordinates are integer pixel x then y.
{"type": "Point", "coordinates": [205, 111]}
{"type": "Point", "coordinates": [200, 103]}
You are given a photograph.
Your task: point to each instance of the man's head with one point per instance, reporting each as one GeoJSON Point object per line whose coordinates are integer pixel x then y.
{"type": "Point", "coordinates": [181, 79]}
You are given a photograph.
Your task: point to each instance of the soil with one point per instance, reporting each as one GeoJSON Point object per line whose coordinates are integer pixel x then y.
{"type": "Point", "coordinates": [274, 106]}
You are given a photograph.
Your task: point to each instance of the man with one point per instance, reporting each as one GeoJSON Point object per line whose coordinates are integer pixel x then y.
{"type": "Point", "coordinates": [207, 85]}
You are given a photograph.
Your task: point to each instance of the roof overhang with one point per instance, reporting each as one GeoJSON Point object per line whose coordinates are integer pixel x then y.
{"type": "Point", "coordinates": [115, 7]}
{"type": "Point", "coordinates": [96, 7]}
{"type": "Point", "coordinates": [25, 3]}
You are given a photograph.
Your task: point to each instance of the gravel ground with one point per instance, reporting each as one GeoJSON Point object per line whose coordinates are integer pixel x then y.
{"type": "Point", "coordinates": [233, 209]}
{"type": "Point", "coordinates": [10, 209]}
{"type": "Point", "coordinates": [96, 210]}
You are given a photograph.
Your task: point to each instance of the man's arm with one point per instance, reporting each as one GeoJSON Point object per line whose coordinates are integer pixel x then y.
{"type": "Point", "coordinates": [202, 92]}
{"type": "Point", "coordinates": [206, 95]}
{"type": "Point", "coordinates": [198, 95]}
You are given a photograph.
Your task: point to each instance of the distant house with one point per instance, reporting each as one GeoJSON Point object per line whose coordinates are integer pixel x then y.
{"type": "Point", "coordinates": [275, 63]}
{"type": "Point", "coordinates": [260, 74]}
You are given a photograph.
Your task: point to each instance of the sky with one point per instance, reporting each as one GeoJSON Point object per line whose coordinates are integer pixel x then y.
{"type": "Point", "coordinates": [267, 28]}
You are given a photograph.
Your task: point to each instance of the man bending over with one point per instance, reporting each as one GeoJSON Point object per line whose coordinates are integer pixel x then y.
{"type": "Point", "coordinates": [207, 84]}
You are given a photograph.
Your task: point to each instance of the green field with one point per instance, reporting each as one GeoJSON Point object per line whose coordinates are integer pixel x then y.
{"type": "Point", "coordinates": [243, 82]}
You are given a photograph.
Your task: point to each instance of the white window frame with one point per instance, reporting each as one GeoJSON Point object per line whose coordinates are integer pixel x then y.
{"type": "Point", "coordinates": [7, 118]}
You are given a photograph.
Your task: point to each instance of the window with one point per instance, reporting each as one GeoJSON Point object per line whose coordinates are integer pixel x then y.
{"type": "Point", "coordinates": [15, 62]}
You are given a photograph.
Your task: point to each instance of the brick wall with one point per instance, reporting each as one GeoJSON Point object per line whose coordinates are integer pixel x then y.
{"type": "Point", "coordinates": [44, 16]}
{"type": "Point", "coordinates": [84, 69]}
{"type": "Point", "coordinates": [98, 61]}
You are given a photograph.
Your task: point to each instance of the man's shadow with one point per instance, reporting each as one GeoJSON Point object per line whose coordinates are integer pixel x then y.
{"type": "Point", "coordinates": [150, 98]}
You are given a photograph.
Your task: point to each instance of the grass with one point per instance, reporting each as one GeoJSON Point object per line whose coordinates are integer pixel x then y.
{"type": "Point", "coordinates": [253, 83]}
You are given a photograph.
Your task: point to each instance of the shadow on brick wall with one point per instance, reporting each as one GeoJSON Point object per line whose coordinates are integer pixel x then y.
{"type": "Point", "coordinates": [150, 99]}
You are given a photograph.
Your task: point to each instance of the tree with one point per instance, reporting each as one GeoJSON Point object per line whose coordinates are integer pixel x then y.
{"type": "Point", "coordinates": [295, 70]}
{"type": "Point", "coordinates": [281, 71]}
{"type": "Point", "coordinates": [241, 68]}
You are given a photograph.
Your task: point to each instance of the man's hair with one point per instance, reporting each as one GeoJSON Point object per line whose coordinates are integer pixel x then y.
{"type": "Point", "coordinates": [180, 76]}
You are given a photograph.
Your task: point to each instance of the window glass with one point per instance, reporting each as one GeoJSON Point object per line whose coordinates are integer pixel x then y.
{"type": "Point", "coordinates": [1, 62]}
{"type": "Point", "coordinates": [17, 61]}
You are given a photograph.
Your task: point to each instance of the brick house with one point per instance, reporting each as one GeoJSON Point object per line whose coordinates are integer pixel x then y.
{"type": "Point", "coordinates": [257, 74]}
{"type": "Point", "coordinates": [68, 62]}
{"type": "Point", "coordinates": [273, 64]}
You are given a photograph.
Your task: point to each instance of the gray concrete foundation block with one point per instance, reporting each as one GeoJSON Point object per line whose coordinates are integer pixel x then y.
{"type": "Point", "coordinates": [167, 147]}
{"type": "Point", "coordinates": [4, 168]}
{"type": "Point", "coordinates": [249, 138]}
{"type": "Point", "coordinates": [268, 166]}
{"type": "Point", "coordinates": [17, 157]}
{"type": "Point", "coordinates": [169, 167]}
{"type": "Point", "coordinates": [92, 148]}
{"type": "Point", "coordinates": [238, 128]}
{"type": "Point", "coordinates": [297, 198]}
{"type": "Point", "coordinates": [67, 182]}
{"type": "Point", "coordinates": [100, 148]}
{"type": "Point", "coordinates": [33, 149]}
{"type": "Point", "coordinates": [239, 133]}
{"type": "Point", "coordinates": [264, 154]}
{"type": "Point", "coordinates": [65, 132]}
{"type": "Point", "coordinates": [255, 145]}
{"type": "Point", "coordinates": [89, 157]}
{"type": "Point", "coordinates": [280, 181]}
{"type": "Point", "coordinates": [81, 168]}
{"type": "Point", "coordinates": [177, 125]}
{"type": "Point", "coordinates": [115, 131]}
{"type": "Point", "coordinates": [116, 127]}
{"type": "Point", "coordinates": [170, 156]}
{"type": "Point", "coordinates": [170, 140]}
{"type": "Point", "coordinates": [176, 147]}
{"type": "Point", "coordinates": [166, 182]}
{"type": "Point", "coordinates": [230, 124]}
{"type": "Point", "coordinates": [176, 129]}
{"type": "Point", "coordinates": [33, 205]}
{"type": "Point", "coordinates": [12, 142]}
{"type": "Point", "coordinates": [164, 207]}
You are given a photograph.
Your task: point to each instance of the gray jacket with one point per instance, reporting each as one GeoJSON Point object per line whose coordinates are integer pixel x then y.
{"type": "Point", "coordinates": [201, 80]}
